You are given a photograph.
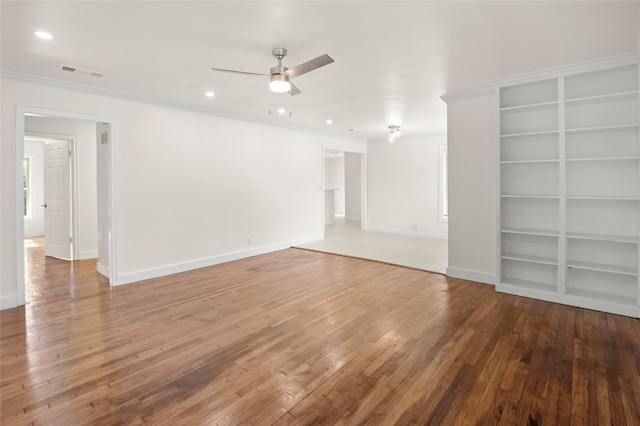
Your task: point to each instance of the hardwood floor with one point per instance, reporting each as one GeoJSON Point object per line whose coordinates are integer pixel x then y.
{"type": "Point", "coordinates": [299, 337]}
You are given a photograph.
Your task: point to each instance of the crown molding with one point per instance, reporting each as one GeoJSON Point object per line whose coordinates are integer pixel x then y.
{"type": "Point", "coordinates": [485, 91]}
{"type": "Point", "coordinates": [560, 71]}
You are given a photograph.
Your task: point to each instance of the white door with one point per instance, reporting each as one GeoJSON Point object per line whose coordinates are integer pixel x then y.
{"type": "Point", "coordinates": [57, 195]}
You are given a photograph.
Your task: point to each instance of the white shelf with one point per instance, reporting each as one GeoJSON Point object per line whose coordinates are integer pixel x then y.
{"type": "Point", "coordinates": [607, 96]}
{"type": "Point", "coordinates": [597, 237]}
{"type": "Point", "coordinates": [529, 106]}
{"type": "Point", "coordinates": [534, 285]}
{"type": "Point", "coordinates": [530, 161]}
{"type": "Point", "coordinates": [601, 296]}
{"type": "Point", "coordinates": [531, 259]}
{"type": "Point", "coordinates": [518, 135]}
{"type": "Point", "coordinates": [613, 269]}
{"type": "Point", "coordinates": [597, 128]}
{"type": "Point", "coordinates": [634, 158]}
{"type": "Point", "coordinates": [529, 196]}
{"type": "Point", "coordinates": [604, 197]}
{"type": "Point", "coordinates": [538, 232]}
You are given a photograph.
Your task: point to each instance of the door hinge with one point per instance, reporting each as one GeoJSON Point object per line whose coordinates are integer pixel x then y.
{"type": "Point", "coordinates": [70, 153]}
{"type": "Point", "coordinates": [70, 239]}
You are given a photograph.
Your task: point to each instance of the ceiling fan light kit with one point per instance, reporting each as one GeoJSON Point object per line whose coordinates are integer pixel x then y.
{"type": "Point", "coordinates": [279, 84]}
{"type": "Point", "coordinates": [280, 76]}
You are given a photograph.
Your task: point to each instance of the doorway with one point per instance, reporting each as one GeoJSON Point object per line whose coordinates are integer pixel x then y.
{"type": "Point", "coordinates": [49, 191]}
{"type": "Point", "coordinates": [345, 189]}
{"type": "Point", "coordinates": [103, 184]}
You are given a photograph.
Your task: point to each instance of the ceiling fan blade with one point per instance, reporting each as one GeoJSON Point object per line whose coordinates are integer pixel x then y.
{"type": "Point", "coordinates": [311, 65]}
{"type": "Point", "coordinates": [241, 72]}
{"type": "Point", "coordinates": [294, 89]}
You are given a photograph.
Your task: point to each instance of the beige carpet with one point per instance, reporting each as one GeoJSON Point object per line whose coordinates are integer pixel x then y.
{"type": "Point", "coordinates": [345, 237]}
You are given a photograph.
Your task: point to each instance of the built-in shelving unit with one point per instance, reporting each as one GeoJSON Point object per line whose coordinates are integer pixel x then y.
{"type": "Point", "coordinates": [569, 179]}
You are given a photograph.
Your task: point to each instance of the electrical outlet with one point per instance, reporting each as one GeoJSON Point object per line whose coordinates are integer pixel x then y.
{"type": "Point", "coordinates": [249, 241]}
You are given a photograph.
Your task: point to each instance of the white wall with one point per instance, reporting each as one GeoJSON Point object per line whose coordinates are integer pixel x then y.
{"type": "Point", "coordinates": [403, 186]}
{"type": "Point", "coordinates": [34, 225]}
{"type": "Point", "coordinates": [85, 163]}
{"type": "Point", "coordinates": [472, 187]}
{"type": "Point", "coordinates": [191, 187]}
{"type": "Point", "coordinates": [352, 185]}
{"type": "Point", "coordinates": [334, 179]}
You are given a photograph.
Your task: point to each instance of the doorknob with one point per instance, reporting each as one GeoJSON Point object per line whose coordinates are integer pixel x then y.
{"type": "Point", "coordinates": [43, 205]}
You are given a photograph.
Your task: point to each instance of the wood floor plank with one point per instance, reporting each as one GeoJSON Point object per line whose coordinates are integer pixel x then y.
{"type": "Point", "coordinates": [298, 337]}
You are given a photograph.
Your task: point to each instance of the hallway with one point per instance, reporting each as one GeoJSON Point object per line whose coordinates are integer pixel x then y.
{"type": "Point", "coordinates": [41, 270]}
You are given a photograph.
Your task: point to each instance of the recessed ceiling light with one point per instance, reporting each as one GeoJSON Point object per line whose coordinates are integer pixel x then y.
{"type": "Point", "coordinates": [329, 121]}
{"type": "Point", "coordinates": [43, 35]}
{"type": "Point", "coordinates": [281, 110]}
{"type": "Point", "coordinates": [209, 94]}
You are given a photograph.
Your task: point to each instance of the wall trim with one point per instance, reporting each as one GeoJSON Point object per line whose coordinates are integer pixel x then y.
{"type": "Point", "coordinates": [84, 255]}
{"type": "Point", "coordinates": [298, 243]}
{"type": "Point", "coordinates": [102, 270]}
{"type": "Point", "coordinates": [176, 268]}
{"type": "Point", "coordinates": [465, 274]}
{"type": "Point", "coordinates": [8, 302]}
{"type": "Point", "coordinates": [165, 103]}
{"type": "Point", "coordinates": [485, 91]}
{"type": "Point", "coordinates": [407, 233]}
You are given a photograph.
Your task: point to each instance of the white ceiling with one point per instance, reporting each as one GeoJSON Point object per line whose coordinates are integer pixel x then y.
{"type": "Point", "coordinates": [393, 59]}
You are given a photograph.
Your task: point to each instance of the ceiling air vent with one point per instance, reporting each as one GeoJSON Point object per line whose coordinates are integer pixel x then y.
{"type": "Point", "coordinates": [83, 71]}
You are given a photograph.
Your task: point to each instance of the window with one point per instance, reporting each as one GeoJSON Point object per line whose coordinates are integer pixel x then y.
{"type": "Point", "coordinates": [27, 186]}
{"type": "Point", "coordinates": [443, 199]}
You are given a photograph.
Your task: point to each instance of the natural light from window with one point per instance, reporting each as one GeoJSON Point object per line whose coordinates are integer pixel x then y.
{"type": "Point", "coordinates": [444, 186]}
{"type": "Point", "coordinates": [27, 187]}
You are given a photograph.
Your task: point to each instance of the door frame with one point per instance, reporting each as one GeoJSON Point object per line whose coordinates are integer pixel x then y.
{"type": "Point", "coordinates": [21, 112]}
{"type": "Point", "coordinates": [73, 176]}
{"type": "Point", "coordinates": [364, 223]}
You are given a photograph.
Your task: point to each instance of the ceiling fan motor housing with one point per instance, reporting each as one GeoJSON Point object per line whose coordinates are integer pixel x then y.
{"type": "Point", "coordinates": [279, 52]}
{"type": "Point", "coordinates": [278, 69]}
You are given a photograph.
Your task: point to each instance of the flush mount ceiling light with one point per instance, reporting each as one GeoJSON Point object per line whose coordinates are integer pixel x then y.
{"type": "Point", "coordinates": [394, 134]}
{"type": "Point", "coordinates": [329, 121]}
{"type": "Point", "coordinates": [209, 94]}
{"type": "Point", "coordinates": [43, 35]}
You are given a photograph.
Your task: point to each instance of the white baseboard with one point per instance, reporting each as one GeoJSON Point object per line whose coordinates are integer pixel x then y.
{"type": "Point", "coordinates": [302, 242]}
{"type": "Point", "coordinates": [196, 264]}
{"type": "Point", "coordinates": [408, 233]}
{"type": "Point", "coordinates": [465, 274]}
{"type": "Point", "coordinates": [33, 234]}
{"type": "Point", "coordinates": [84, 255]}
{"type": "Point", "coordinates": [102, 269]}
{"type": "Point", "coordinates": [8, 302]}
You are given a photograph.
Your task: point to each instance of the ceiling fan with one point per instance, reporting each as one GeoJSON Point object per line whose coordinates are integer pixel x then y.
{"type": "Point", "coordinates": [280, 76]}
